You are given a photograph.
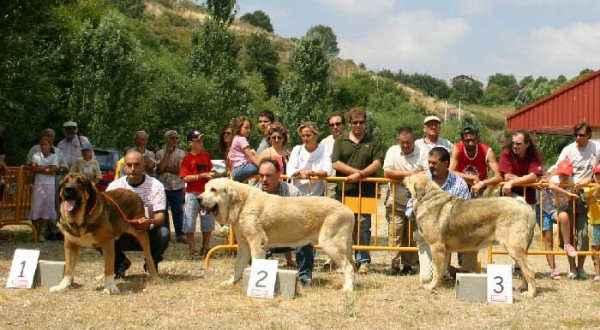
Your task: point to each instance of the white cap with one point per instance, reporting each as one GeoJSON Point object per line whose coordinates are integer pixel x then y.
{"type": "Point", "coordinates": [70, 124]}
{"type": "Point", "coordinates": [430, 118]}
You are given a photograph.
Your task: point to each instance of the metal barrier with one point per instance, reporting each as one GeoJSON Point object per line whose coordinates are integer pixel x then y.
{"type": "Point", "coordinates": [556, 250]}
{"type": "Point", "coordinates": [17, 183]}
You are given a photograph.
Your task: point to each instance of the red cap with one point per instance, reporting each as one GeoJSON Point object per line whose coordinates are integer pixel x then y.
{"type": "Point", "coordinates": [597, 169]}
{"type": "Point", "coordinates": [565, 167]}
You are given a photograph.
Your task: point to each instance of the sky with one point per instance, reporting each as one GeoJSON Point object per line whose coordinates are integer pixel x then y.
{"type": "Point", "coordinates": [447, 38]}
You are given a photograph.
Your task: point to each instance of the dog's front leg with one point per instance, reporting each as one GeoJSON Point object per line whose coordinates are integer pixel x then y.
{"type": "Point", "coordinates": [241, 262]}
{"type": "Point", "coordinates": [108, 250]}
{"type": "Point", "coordinates": [438, 256]}
{"type": "Point", "coordinates": [71, 252]}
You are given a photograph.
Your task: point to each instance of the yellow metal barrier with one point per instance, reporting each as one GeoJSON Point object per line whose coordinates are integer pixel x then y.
{"type": "Point", "coordinates": [15, 204]}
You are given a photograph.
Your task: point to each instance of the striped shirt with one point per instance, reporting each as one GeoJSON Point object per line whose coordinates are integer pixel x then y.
{"type": "Point", "coordinates": [150, 190]}
{"type": "Point", "coordinates": [454, 185]}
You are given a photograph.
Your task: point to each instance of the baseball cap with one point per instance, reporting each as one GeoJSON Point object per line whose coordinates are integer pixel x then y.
{"type": "Point", "coordinates": [565, 167]}
{"type": "Point", "coordinates": [194, 135]}
{"type": "Point", "coordinates": [597, 169]}
{"type": "Point", "coordinates": [86, 146]}
{"type": "Point", "coordinates": [70, 124]}
{"type": "Point", "coordinates": [430, 118]}
{"type": "Point", "coordinates": [469, 130]}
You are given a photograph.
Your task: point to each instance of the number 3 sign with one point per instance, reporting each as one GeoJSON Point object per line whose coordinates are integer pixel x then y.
{"type": "Point", "coordinates": [263, 274]}
{"type": "Point", "coordinates": [23, 268]}
{"type": "Point", "coordinates": [499, 284]}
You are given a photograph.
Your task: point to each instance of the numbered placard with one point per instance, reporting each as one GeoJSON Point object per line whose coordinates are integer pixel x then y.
{"type": "Point", "coordinates": [263, 274]}
{"type": "Point", "coordinates": [23, 269]}
{"type": "Point", "coordinates": [499, 284]}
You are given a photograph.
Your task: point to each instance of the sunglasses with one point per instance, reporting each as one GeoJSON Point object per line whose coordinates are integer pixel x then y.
{"type": "Point", "coordinates": [579, 135]}
{"type": "Point", "coordinates": [468, 140]}
{"type": "Point", "coordinates": [517, 143]}
{"type": "Point", "coordinates": [306, 135]}
{"type": "Point", "coordinates": [277, 138]}
{"type": "Point", "coordinates": [358, 122]}
{"type": "Point", "coordinates": [336, 124]}
{"type": "Point", "coordinates": [173, 138]}
{"type": "Point", "coordinates": [226, 133]}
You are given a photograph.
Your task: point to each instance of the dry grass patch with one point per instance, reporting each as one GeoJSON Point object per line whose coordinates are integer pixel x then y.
{"type": "Point", "coordinates": [187, 296]}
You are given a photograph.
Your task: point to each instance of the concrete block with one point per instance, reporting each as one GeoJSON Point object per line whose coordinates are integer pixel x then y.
{"type": "Point", "coordinates": [285, 283]}
{"type": "Point", "coordinates": [471, 287]}
{"type": "Point", "coordinates": [49, 273]}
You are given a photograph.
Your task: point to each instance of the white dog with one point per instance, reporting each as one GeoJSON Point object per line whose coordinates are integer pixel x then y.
{"type": "Point", "coordinates": [261, 220]}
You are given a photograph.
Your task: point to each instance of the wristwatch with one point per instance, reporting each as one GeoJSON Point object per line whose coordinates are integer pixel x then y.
{"type": "Point", "coordinates": [151, 225]}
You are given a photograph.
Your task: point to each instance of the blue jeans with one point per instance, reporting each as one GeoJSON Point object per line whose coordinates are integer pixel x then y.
{"type": "Point", "coordinates": [242, 172]}
{"type": "Point", "coordinates": [192, 210]}
{"type": "Point", "coordinates": [175, 202]}
{"type": "Point", "coordinates": [305, 258]}
{"type": "Point", "coordinates": [364, 237]}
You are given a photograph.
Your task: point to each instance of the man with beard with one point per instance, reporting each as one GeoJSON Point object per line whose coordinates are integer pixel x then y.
{"type": "Point", "coordinates": [470, 160]}
{"type": "Point", "coordinates": [439, 162]}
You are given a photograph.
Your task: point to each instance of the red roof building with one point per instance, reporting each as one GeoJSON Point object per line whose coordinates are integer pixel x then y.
{"type": "Point", "coordinates": [558, 112]}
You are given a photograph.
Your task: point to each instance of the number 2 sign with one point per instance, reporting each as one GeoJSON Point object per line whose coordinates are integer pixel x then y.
{"type": "Point", "coordinates": [23, 268]}
{"type": "Point", "coordinates": [263, 274]}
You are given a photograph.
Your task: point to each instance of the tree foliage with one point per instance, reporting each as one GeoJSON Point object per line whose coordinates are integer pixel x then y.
{"type": "Point", "coordinates": [222, 11]}
{"type": "Point", "coordinates": [466, 91]}
{"type": "Point", "coordinates": [259, 19]}
{"type": "Point", "coordinates": [261, 56]}
{"type": "Point", "coordinates": [327, 37]}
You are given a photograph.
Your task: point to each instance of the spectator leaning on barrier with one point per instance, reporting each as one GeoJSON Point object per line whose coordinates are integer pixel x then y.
{"type": "Point", "coordinates": [556, 205]}
{"type": "Point", "coordinates": [265, 119]}
{"type": "Point", "coordinates": [168, 161]}
{"type": "Point", "coordinates": [592, 195]}
{"type": "Point", "coordinates": [269, 182]}
{"type": "Point", "coordinates": [438, 160]}
{"type": "Point", "coordinates": [470, 159]}
{"type": "Point", "coordinates": [357, 155]}
{"type": "Point", "coordinates": [432, 128]}
{"type": "Point", "coordinates": [584, 155]}
{"type": "Point", "coordinates": [71, 144]}
{"type": "Point", "coordinates": [337, 126]}
{"type": "Point", "coordinates": [152, 193]}
{"type": "Point", "coordinates": [520, 163]}
{"type": "Point", "coordinates": [86, 165]}
{"type": "Point", "coordinates": [402, 160]}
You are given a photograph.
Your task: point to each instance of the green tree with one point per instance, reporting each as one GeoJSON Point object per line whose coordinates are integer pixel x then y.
{"type": "Point", "coordinates": [465, 91]}
{"type": "Point", "coordinates": [222, 11]}
{"type": "Point", "coordinates": [304, 94]}
{"type": "Point", "coordinates": [328, 38]}
{"type": "Point", "coordinates": [259, 19]}
{"type": "Point", "coordinates": [261, 56]}
{"type": "Point", "coordinates": [501, 89]}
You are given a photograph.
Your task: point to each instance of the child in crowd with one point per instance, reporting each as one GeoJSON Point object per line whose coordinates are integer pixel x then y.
{"type": "Point", "coordinates": [196, 170]}
{"type": "Point", "coordinates": [592, 196]}
{"type": "Point", "coordinates": [44, 165]}
{"type": "Point", "coordinates": [87, 165]}
{"type": "Point", "coordinates": [243, 161]}
{"type": "Point", "coordinates": [556, 203]}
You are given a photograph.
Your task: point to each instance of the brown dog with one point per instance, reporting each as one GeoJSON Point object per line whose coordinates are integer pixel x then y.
{"type": "Point", "coordinates": [451, 224]}
{"type": "Point", "coordinates": [90, 218]}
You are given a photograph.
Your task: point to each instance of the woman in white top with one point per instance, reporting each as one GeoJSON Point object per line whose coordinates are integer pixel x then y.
{"type": "Point", "coordinates": [309, 160]}
{"type": "Point", "coordinates": [44, 164]}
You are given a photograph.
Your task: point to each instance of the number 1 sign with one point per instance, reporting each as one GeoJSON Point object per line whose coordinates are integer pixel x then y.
{"type": "Point", "coordinates": [263, 274]}
{"type": "Point", "coordinates": [23, 268]}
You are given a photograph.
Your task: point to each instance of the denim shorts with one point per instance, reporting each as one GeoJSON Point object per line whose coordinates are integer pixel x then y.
{"type": "Point", "coordinates": [547, 218]}
{"type": "Point", "coordinates": [192, 209]}
{"type": "Point", "coordinates": [595, 234]}
{"type": "Point", "coordinates": [242, 172]}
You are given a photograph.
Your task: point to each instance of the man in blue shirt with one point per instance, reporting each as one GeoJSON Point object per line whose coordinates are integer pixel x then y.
{"type": "Point", "coordinates": [439, 161]}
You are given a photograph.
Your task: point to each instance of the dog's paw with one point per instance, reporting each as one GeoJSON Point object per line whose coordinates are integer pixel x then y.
{"type": "Point", "coordinates": [63, 286]}
{"type": "Point", "coordinates": [110, 286]}
{"type": "Point", "coordinates": [429, 286]}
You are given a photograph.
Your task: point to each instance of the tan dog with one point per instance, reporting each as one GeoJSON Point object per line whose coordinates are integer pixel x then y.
{"type": "Point", "coordinates": [262, 221]}
{"type": "Point", "coordinates": [451, 224]}
{"type": "Point", "coordinates": [90, 219]}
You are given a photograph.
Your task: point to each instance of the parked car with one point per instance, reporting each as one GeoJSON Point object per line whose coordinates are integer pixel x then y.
{"type": "Point", "coordinates": [107, 159]}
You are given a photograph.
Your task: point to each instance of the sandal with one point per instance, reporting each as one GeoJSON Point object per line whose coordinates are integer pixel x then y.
{"type": "Point", "coordinates": [555, 274]}
{"type": "Point", "coordinates": [195, 255]}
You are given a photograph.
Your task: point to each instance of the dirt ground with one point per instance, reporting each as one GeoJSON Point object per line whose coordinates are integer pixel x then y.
{"type": "Point", "coordinates": [188, 296]}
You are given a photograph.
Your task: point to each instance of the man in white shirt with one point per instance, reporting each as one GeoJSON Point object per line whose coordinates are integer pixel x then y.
{"type": "Point", "coordinates": [71, 144]}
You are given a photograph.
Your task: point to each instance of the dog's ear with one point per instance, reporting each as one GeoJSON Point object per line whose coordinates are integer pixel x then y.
{"type": "Point", "coordinates": [421, 184]}
{"type": "Point", "coordinates": [90, 190]}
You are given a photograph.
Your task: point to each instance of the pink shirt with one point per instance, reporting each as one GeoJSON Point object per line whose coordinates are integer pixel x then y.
{"type": "Point", "coordinates": [236, 153]}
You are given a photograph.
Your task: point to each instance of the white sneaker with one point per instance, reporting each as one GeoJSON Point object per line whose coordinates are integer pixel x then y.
{"type": "Point", "coordinates": [597, 278]}
{"type": "Point", "coordinates": [573, 274]}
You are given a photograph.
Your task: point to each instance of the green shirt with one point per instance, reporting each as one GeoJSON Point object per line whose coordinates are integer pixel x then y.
{"type": "Point", "coordinates": [357, 155]}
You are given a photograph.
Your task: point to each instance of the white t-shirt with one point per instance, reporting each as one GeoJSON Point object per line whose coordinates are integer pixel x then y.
{"type": "Point", "coordinates": [318, 160]}
{"type": "Point", "coordinates": [582, 159]}
{"type": "Point", "coordinates": [396, 160]}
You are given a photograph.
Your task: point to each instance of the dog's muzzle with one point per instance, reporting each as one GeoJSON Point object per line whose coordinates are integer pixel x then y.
{"type": "Point", "coordinates": [213, 210]}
